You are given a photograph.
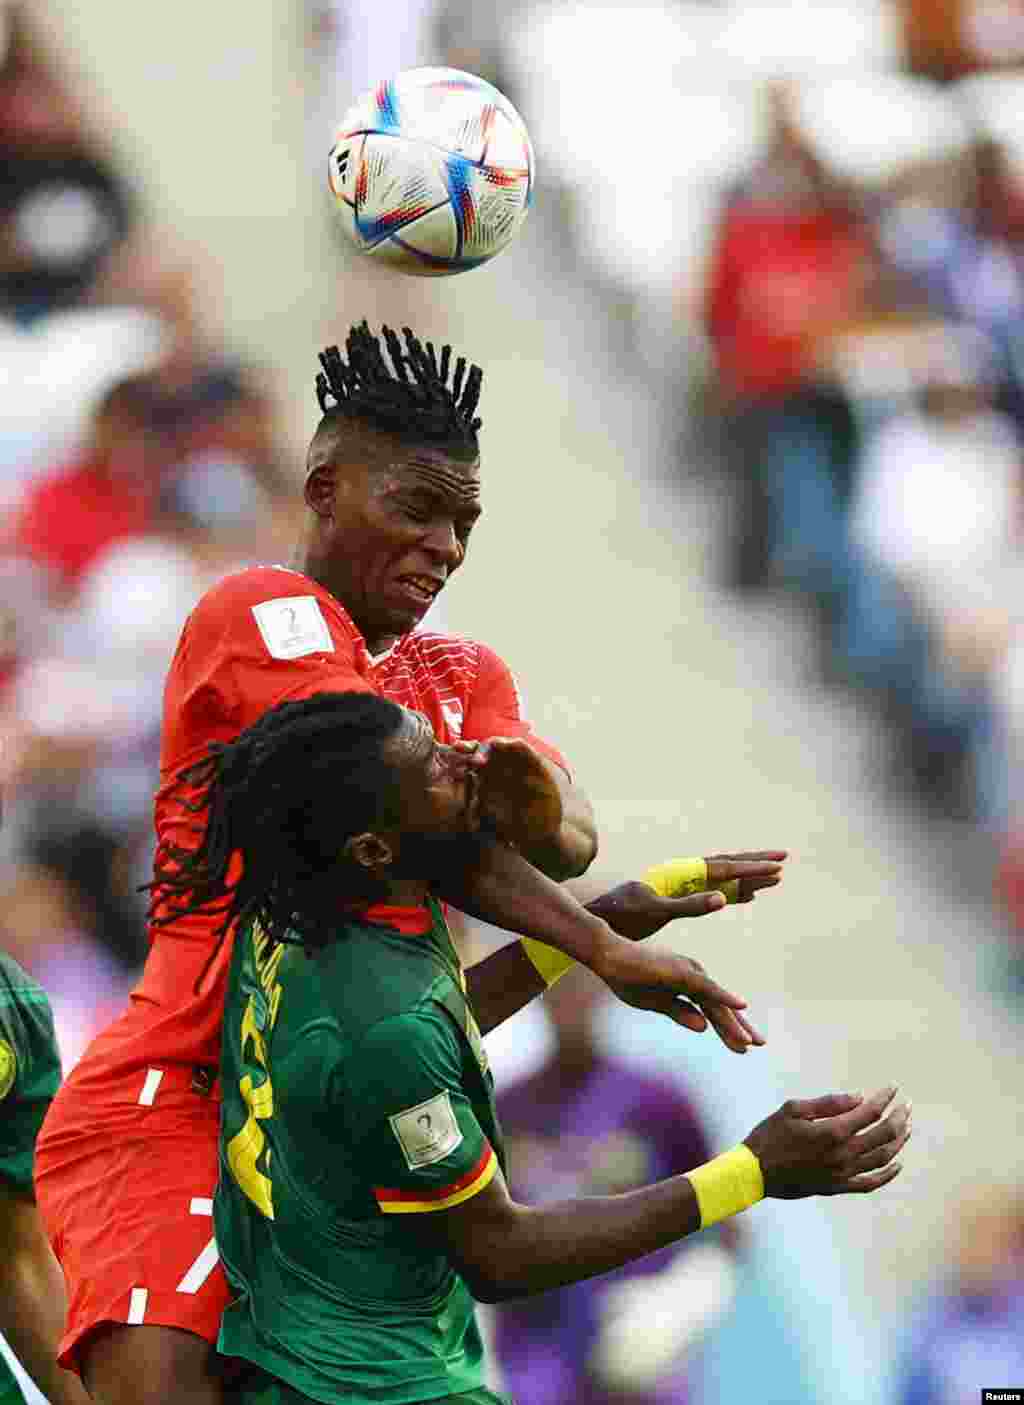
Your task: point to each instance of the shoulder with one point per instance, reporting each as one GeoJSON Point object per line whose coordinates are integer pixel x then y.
{"type": "Point", "coordinates": [255, 583]}
{"type": "Point", "coordinates": [395, 1053]}
{"type": "Point", "coordinates": [254, 595]}
{"type": "Point", "coordinates": [370, 976]}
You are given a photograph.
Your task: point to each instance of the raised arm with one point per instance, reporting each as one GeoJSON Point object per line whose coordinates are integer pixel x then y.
{"type": "Point", "coordinates": [499, 886]}
{"type": "Point", "coordinates": [495, 722]}
{"type": "Point", "coordinates": [508, 979]}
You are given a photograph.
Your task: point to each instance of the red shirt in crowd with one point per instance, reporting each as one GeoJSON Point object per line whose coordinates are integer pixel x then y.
{"type": "Point", "coordinates": [778, 278]}
{"type": "Point", "coordinates": [74, 514]}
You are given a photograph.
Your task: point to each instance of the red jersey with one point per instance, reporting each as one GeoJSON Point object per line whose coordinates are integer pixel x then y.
{"type": "Point", "coordinates": [258, 638]}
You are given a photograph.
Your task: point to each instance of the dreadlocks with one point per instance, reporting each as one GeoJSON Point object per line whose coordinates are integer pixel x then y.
{"type": "Point", "coordinates": [285, 794]}
{"type": "Point", "coordinates": [411, 396]}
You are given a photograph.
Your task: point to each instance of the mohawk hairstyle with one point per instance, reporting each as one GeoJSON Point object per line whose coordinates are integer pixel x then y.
{"type": "Point", "coordinates": [411, 396]}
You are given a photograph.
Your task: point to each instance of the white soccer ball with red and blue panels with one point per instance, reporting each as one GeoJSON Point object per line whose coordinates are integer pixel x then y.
{"type": "Point", "coordinates": [432, 171]}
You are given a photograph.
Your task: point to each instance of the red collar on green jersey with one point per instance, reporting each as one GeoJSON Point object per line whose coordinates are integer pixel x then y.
{"type": "Point", "coordinates": [411, 921]}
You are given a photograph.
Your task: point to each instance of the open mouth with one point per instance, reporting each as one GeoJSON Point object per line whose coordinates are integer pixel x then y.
{"type": "Point", "coordinates": [422, 589]}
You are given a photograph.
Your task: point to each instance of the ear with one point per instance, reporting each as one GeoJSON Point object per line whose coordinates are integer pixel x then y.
{"type": "Point", "coordinates": [372, 852]}
{"type": "Point", "coordinates": [319, 491]}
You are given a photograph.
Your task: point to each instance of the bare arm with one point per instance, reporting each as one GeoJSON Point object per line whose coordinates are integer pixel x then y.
{"type": "Point", "coordinates": [834, 1145]}
{"type": "Point", "coordinates": [498, 885]}
{"type": "Point", "coordinates": [32, 1299]}
{"type": "Point", "coordinates": [502, 983]}
{"type": "Point", "coordinates": [507, 980]}
{"type": "Point", "coordinates": [574, 848]}
{"type": "Point", "coordinates": [518, 1250]}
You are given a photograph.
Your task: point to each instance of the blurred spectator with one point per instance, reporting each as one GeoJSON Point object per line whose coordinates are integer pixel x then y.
{"type": "Point", "coordinates": [970, 1333]}
{"type": "Point", "coordinates": [790, 264]}
{"type": "Point", "coordinates": [940, 488]}
{"type": "Point", "coordinates": [960, 243]}
{"type": "Point", "coordinates": [106, 494]}
{"type": "Point", "coordinates": [45, 925]}
{"type": "Point", "coordinates": [62, 207]}
{"type": "Point", "coordinates": [586, 1124]}
{"type": "Point", "coordinates": [947, 38]}
{"type": "Point", "coordinates": [204, 402]}
{"type": "Point", "coordinates": [937, 508]}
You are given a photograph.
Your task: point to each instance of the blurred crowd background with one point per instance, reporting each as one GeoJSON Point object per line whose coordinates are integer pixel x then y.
{"type": "Point", "coordinates": [766, 324]}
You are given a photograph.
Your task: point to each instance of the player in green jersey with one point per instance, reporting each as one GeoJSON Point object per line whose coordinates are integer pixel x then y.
{"type": "Point", "coordinates": [362, 1201]}
{"type": "Point", "coordinates": [31, 1285]}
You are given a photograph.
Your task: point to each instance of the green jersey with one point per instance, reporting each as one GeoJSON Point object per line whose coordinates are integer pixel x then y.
{"type": "Point", "coordinates": [29, 1077]}
{"type": "Point", "coordinates": [356, 1093]}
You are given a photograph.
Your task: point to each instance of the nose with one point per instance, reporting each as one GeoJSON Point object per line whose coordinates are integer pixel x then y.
{"type": "Point", "coordinates": [443, 544]}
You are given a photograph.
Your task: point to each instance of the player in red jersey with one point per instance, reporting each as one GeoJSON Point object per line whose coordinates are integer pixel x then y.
{"type": "Point", "coordinates": [127, 1160]}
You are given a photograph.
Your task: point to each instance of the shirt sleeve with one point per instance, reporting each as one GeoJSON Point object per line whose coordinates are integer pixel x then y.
{"type": "Point", "coordinates": [29, 1078]}
{"type": "Point", "coordinates": [414, 1133]}
{"type": "Point", "coordinates": [264, 637]}
{"type": "Point", "coordinates": [495, 708]}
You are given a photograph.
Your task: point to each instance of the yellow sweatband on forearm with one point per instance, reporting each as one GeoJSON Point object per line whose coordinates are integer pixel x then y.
{"type": "Point", "coordinates": [549, 963]}
{"type": "Point", "coordinates": [680, 878]}
{"type": "Point", "coordinates": [730, 1183]}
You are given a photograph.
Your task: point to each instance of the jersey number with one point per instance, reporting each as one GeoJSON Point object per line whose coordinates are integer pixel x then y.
{"type": "Point", "coordinates": [246, 1147]}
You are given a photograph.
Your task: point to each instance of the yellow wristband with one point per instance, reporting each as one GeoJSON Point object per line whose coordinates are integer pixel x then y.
{"type": "Point", "coordinates": [680, 878]}
{"type": "Point", "coordinates": [549, 963]}
{"type": "Point", "coordinates": [730, 1183]}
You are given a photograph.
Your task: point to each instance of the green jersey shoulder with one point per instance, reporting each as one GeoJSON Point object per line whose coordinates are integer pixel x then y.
{"type": "Point", "coordinates": [356, 1094]}
{"type": "Point", "coordinates": [29, 1070]}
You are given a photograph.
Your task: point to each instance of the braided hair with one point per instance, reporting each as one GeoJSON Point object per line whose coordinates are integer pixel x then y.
{"type": "Point", "coordinates": [411, 396]}
{"type": "Point", "coordinates": [285, 794]}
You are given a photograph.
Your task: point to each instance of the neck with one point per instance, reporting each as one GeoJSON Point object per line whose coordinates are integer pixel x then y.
{"type": "Point", "coordinates": [405, 892]}
{"type": "Point", "coordinates": [312, 562]}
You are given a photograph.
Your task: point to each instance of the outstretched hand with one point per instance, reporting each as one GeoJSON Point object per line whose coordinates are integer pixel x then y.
{"type": "Point", "coordinates": [840, 1144]}
{"type": "Point", "coordinates": [750, 872]}
{"type": "Point", "coordinates": [651, 979]}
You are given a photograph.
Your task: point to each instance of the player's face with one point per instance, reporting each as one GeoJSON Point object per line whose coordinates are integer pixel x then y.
{"type": "Point", "coordinates": [438, 791]}
{"type": "Point", "coordinates": [401, 529]}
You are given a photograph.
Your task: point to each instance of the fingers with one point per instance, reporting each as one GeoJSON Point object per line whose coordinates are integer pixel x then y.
{"type": "Point", "coordinates": [756, 1037]}
{"type": "Point", "coordinates": [697, 986]}
{"type": "Point", "coordinates": [754, 856]}
{"type": "Point", "coordinates": [881, 1156]}
{"type": "Point", "coordinates": [734, 1029]}
{"type": "Point", "coordinates": [882, 1133]}
{"type": "Point", "coordinates": [686, 1016]}
{"type": "Point", "coordinates": [696, 905]}
{"type": "Point", "coordinates": [831, 1105]}
{"type": "Point", "coordinates": [680, 1013]}
{"type": "Point", "coordinates": [863, 1185]}
{"type": "Point", "coordinates": [862, 1117]}
{"type": "Point", "coordinates": [724, 868]}
{"type": "Point", "coordinates": [726, 1025]}
{"type": "Point", "coordinates": [749, 887]}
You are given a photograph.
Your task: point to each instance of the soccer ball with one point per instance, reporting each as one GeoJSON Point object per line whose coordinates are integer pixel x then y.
{"type": "Point", "coordinates": [432, 171]}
